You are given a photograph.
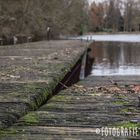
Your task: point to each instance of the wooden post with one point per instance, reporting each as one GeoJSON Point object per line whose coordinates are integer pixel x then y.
{"type": "Point", "coordinates": [1, 41]}
{"type": "Point", "coordinates": [139, 101]}
{"type": "Point", "coordinates": [83, 66]}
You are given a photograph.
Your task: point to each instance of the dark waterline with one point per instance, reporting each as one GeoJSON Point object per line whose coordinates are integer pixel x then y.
{"type": "Point", "coordinates": [114, 58]}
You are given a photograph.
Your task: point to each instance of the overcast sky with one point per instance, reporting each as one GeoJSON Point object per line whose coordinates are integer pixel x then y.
{"type": "Point", "coordinates": [90, 1]}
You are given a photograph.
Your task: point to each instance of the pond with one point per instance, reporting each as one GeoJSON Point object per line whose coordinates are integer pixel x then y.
{"type": "Point", "coordinates": [112, 37]}
{"type": "Point", "coordinates": [115, 58]}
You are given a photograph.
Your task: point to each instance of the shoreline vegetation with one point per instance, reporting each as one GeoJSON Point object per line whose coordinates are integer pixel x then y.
{"type": "Point", "coordinates": [29, 20]}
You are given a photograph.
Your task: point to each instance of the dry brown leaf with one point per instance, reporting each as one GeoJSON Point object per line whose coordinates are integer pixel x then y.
{"type": "Point", "coordinates": [136, 88]}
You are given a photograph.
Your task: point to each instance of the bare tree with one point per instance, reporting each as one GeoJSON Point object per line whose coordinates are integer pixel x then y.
{"type": "Point", "coordinates": [32, 17]}
{"type": "Point", "coordinates": [118, 15]}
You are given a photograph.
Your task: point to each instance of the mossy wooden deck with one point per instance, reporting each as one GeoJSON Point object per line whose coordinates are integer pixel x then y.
{"type": "Point", "coordinates": [30, 72]}
{"type": "Point", "coordinates": [76, 112]}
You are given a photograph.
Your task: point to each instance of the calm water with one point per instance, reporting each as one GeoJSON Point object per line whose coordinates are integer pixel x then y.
{"type": "Point", "coordinates": [112, 37]}
{"type": "Point", "coordinates": [114, 58]}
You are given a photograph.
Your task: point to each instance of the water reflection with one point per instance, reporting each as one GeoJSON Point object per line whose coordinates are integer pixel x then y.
{"type": "Point", "coordinates": [113, 58]}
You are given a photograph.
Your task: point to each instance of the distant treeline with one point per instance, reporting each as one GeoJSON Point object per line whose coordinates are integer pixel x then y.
{"type": "Point", "coordinates": [115, 15]}
{"type": "Point", "coordinates": [29, 19]}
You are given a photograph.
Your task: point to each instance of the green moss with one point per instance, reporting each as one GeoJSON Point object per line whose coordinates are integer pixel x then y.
{"type": "Point", "coordinates": [30, 87]}
{"type": "Point", "coordinates": [46, 93]}
{"type": "Point", "coordinates": [120, 96]}
{"type": "Point", "coordinates": [40, 97]}
{"type": "Point", "coordinates": [51, 105]}
{"type": "Point", "coordinates": [8, 131]}
{"type": "Point", "coordinates": [128, 124]}
{"type": "Point", "coordinates": [20, 68]}
{"type": "Point", "coordinates": [62, 98]}
{"type": "Point", "coordinates": [31, 118]}
{"type": "Point", "coordinates": [120, 102]}
{"type": "Point", "coordinates": [126, 110]}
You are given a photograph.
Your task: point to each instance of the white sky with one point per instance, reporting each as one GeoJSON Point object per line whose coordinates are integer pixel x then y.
{"type": "Point", "coordinates": [90, 1]}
